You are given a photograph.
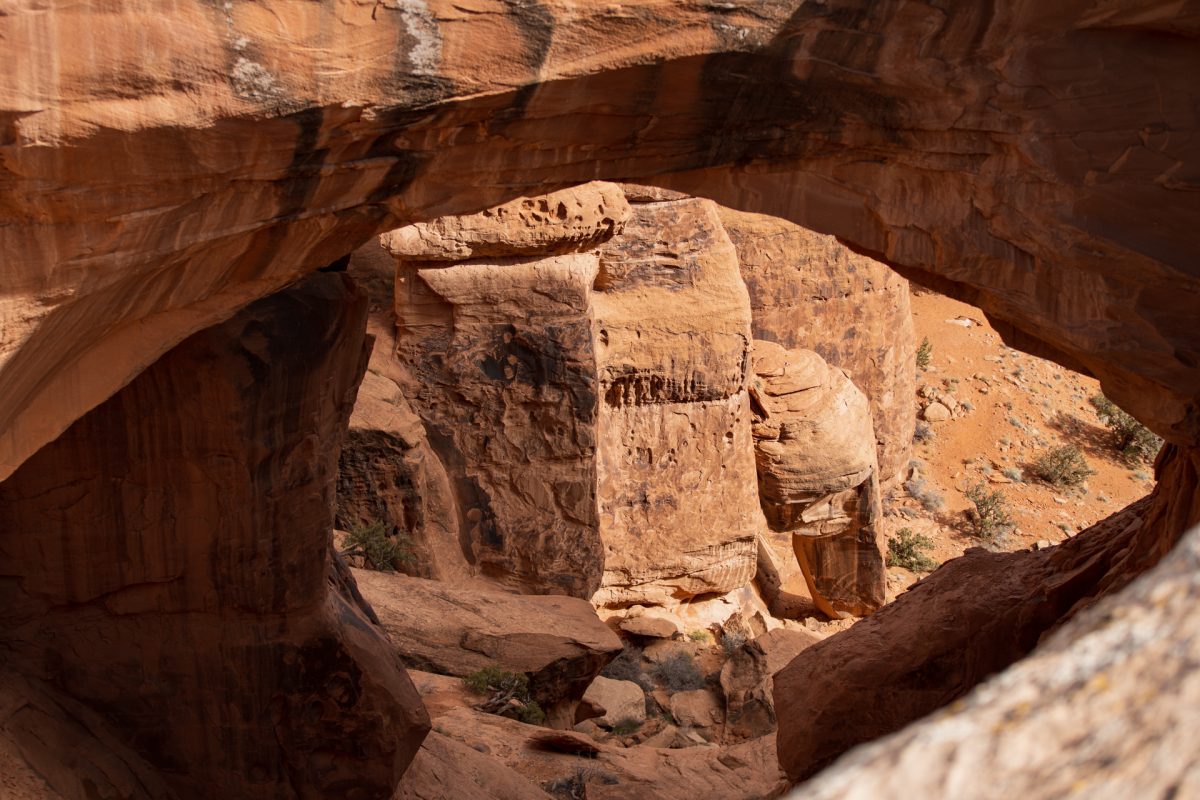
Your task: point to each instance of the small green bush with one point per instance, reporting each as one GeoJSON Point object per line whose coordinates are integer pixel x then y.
{"type": "Point", "coordinates": [507, 694]}
{"type": "Point", "coordinates": [924, 354]}
{"type": "Point", "coordinates": [990, 517]}
{"type": "Point", "coordinates": [907, 550]}
{"type": "Point", "coordinates": [698, 635]}
{"type": "Point", "coordinates": [1062, 466]}
{"type": "Point", "coordinates": [1136, 443]}
{"type": "Point", "coordinates": [381, 551]}
{"type": "Point", "coordinates": [678, 673]}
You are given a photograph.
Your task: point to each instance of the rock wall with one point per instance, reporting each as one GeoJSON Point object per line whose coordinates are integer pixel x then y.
{"type": "Point", "coordinates": [809, 291]}
{"type": "Point", "coordinates": [166, 607]}
{"type": "Point", "coordinates": [576, 398]}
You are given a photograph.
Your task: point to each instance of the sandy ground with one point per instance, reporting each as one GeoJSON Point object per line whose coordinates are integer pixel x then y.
{"type": "Point", "coordinates": [1016, 406]}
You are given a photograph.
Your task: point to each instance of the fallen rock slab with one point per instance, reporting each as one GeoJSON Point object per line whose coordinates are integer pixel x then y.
{"type": "Point", "coordinates": [558, 641]}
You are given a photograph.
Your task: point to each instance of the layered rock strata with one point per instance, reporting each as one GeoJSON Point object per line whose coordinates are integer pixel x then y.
{"type": "Point", "coordinates": [576, 398]}
{"type": "Point", "coordinates": [167, 604]}
{"type": "Point", "coordinates": [818, 476]}
{"type": "Point", "coordinates": [809, 291]}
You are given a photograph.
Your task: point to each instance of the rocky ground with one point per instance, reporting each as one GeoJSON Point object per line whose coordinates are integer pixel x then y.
{"type": "Point", "coordinates": [1006, 408]}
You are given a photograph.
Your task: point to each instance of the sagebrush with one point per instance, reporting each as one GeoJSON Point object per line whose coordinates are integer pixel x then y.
{"type": "Point", "coordinates": [678, 672]}
{"type": "Point", "coordinates": [924, 354]}
{"type": "Point", "coordinates": [1062, 466]}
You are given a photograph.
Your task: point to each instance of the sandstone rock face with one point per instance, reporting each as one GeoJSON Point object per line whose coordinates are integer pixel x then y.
{"type": "Point", "coordinates": [147, 198]}
{"type": "Point", "coordinates": [1109, 707]}
{"type": "Point", "coordinates": [559, 642]}
{"type": "Point", "coordinates": [576, 398]}
{"type": "Point", "coordinates": [809, 291]}
{"type": "Point", "coordinates": [168, 572]}
{"type": "Point", "coordinates": [818, 475]}
{"type": "Point", "coordinates": [746, 681]}
{"type": "Point", "coordinates": [388, 472]}
{"type": "Point", "coordinates": [446, 769]}
{"type": "Point", "coordinates": [972, 617]}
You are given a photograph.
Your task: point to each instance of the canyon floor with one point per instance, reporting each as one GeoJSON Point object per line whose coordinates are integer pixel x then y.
{"type": "Point", "coordinates": [1011, 408]}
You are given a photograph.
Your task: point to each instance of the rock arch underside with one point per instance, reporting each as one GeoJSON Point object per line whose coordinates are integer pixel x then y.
{"type": "Point", "coordinates": [181, 349]}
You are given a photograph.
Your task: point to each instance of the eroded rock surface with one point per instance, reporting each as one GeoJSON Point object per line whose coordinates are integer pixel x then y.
{"type": "Point", "coordinates": [818, 475]}
{"type": "Point", "coordinates": [1108, 707]}
{"type": "Point", "coordinates": [577, 398]}
{"type": "Point", "coordinates": [167, 601]}
{"type": "Point", "coordinates": [809, 291]}
{"type": "Point", "coordinates": [1029, 156]}
{"type": "Point", "coordinates": [559, 642]}
{"type": "Point", "coordinates": [971, 618]}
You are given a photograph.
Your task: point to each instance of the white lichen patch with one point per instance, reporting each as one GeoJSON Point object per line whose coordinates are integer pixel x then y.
{"type": "Point", "coordinates": [427, 39]}
{"type": "Point", "coordinates": [252, 81]}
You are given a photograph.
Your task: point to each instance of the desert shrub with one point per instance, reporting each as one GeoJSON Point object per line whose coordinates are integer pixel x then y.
{"type": "Point", "coordinates": [1062, 466]}
{"type": "Point", "coordinates": [627, 666]}
{"type": "Point", "coordinates": [922, 433]}
{"type": "Point", "coordinates": [989, 518]}
{"type": "Point", "coordinates": [507, 694]}
{"type": "Point", "coordinates": [731, 641]}
{"type": "Point", "coordinates": [1013, 474]}
{"type": "Point", "coordinates": [924, 354]}
{"type": "Point", "coordinates": [698, 635]}
{"type": "Point", "coordinates": [624, 727]}
{"type": "Point", "coordinates": [1136, 443]}
{"type": "Point", "coordinates": [569, 787]}
{"type": "Point", "coordinates": [678, 673]}
{"type": "Point", "coordinates": [381, 550]}
{"type": "Point", "coordinates": [930, 500]}
{"type": "Point", "coordinates": [907, 550]}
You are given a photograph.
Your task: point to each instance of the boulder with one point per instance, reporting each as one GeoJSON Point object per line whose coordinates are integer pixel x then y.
{"type": "Point", "coordinates": [936, 412]}
{"type": "Point", "coordinates": [746, 681]}
{"type": "Point", "coordinates": [808, 290]}
{"type": "Point", "coordinates": [621, 701]}
{"type": "Point", "coordinates": [818, 475]}
{"type": "Point", "coordinates": [558, 641]}
{"type": "Point", "coordinates": [697, 708]}
{"type": "Point", "coordinates": [445, 768]}
{"type": "Point", "coordinates": [650, 627]}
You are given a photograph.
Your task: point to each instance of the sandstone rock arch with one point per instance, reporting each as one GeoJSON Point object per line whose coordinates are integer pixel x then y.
{"type": "Point", "coordinates": [160, 172]}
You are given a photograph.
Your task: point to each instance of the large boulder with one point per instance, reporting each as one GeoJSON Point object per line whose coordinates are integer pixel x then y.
{"type": "Point", "coordinates": [818, 476]}
{"type": "Point", "coordinates": [557, 641]}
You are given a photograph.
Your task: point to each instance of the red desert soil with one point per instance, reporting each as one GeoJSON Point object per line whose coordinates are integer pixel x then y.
{"type": "Point", "coordinates": [1014, 407]}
